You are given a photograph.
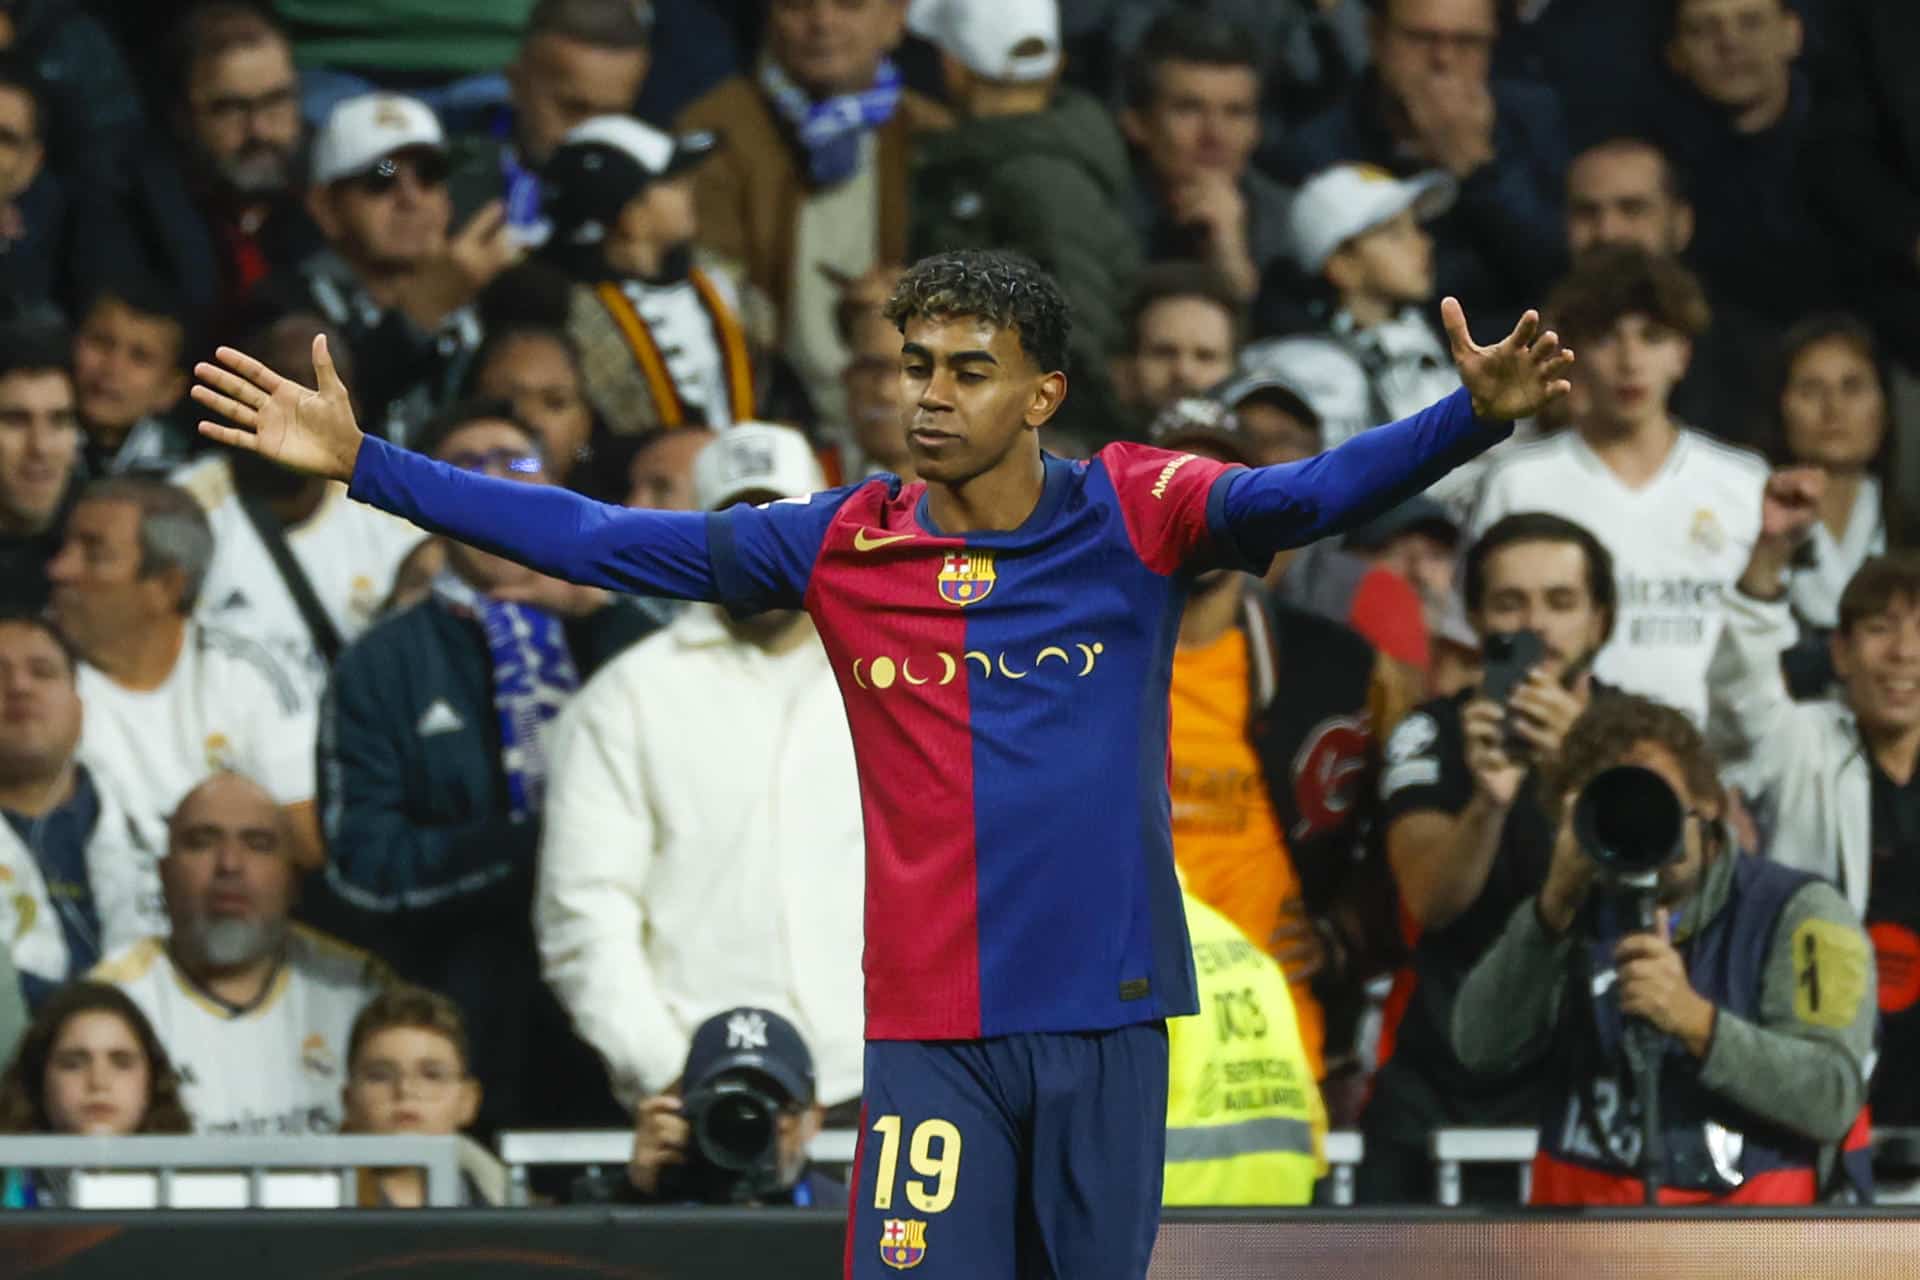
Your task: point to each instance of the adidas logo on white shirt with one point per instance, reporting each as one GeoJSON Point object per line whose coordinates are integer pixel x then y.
{"type": "Point", "coordinates": [439, 718]}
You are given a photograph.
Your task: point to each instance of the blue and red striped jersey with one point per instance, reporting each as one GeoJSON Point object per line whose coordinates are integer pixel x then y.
{"type": "Point", "coordinates": [1007, 692]}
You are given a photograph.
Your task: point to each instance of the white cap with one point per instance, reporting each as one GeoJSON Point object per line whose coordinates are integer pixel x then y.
{"type": "Point", "coordinates": [1340, 203]}
{"type": "Point", "coordinates": [982, 35]}
{"type": "Point", "coordinates": [755, 457]}
{"type": "Point", "coordinates": [360, 132]}
{"type": "Point", "coordinates": [658, 154]}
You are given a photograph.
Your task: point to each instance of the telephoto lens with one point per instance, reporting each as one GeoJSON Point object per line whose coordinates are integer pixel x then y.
{"type": "Point", "coordinates": [1629, 821]}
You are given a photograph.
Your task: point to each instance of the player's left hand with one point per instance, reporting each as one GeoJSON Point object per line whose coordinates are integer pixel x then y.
{"type": "Point", "coordinates": [1517, 376]}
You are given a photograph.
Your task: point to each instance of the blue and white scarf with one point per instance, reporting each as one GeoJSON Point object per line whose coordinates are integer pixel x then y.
{"type": "Point", "coordinates": [533, 676]}
{"type": "Point", "coordinates": [829, 130]}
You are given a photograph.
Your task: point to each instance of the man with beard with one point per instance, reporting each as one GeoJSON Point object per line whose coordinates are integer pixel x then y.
{"type": "Point", "coordinates": [395, 277]}
{"type": "Point", "coordinates": [217, 197]}
{"type": "Point", "coordinates": [661, 336]}
{"type": "Point", "coordinates": [254, 1010]}
{"type": "Point", "coordinates": [296, 567]}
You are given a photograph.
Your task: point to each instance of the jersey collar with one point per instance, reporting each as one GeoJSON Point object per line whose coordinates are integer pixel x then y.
{"type": "Point", "coordinates": [1053, 492]}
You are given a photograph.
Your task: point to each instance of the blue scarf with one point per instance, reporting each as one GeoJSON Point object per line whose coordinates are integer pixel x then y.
{"type": "Point", "coordinates": [533, 676]}
{"type": "Point", "coordinates": [829, 131]}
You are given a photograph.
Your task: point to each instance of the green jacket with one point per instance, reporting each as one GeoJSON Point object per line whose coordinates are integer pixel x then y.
{"type": "Point", "coordinates": [1055, 186]}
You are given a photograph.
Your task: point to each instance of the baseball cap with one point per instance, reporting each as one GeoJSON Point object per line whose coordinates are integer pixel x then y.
{"type": "Point", "coordinates": [1265, 388]}
{"type": "Point", "coordinates": [1009, 41]}
{"type": "Point", "coordinates": [1203, 421]}
{"type": "Point", "coordinates": [362, 131]}
{"type": "Point", "coordinates": [1418, 514]}
{"type": "Point", "coordinates": [604, 162]}
{"type": "Point", "coordinates": [1340, 203]}
{"type": "Point", "coordinates": [753, 1039]}
{"type": "Point", "coordinates": [755, 457]}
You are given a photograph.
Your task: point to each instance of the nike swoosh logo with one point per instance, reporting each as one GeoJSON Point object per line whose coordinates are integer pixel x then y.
{"type": "Point", "coordinates": [863, 541]}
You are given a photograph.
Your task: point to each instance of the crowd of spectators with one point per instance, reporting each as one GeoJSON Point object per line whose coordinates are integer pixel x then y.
{"type": "Point", "coordinates": [314, 822]}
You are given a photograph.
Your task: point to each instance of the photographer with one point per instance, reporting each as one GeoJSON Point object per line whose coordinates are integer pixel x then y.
{"type": "Point", "coordinates": [1467, 839]}
{"type": "Point", "coordinates": [735, 1128]}
{"type": "Point", "coordinates": [1751, 999]}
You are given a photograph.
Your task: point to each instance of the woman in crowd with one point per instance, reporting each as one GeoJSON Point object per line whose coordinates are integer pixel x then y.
{"type": "Point", "coordinates": [89, 1064]}
{"type": "Point", "coordinates": [1833, 416]}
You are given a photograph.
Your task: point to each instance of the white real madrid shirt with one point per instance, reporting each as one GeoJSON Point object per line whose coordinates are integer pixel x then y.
{"type": "Point", "coordinates": [350, 553]}
{"type": "Point", "coordinates": [273, 1068]}
{"type": "Point", "coordinates": [227, 704]}
{"type": "Point", "coordinates": [1678, 543]}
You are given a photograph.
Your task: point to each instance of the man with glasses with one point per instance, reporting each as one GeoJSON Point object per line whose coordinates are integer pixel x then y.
{"type": "Point", "coordinates": [1430, 103]}
{"type": "Point", "coordinates": [434, 752]}
{"type": "Point", "coordinates": [394, 278]}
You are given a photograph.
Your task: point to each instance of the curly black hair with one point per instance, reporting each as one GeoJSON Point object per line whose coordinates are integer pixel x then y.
{"type": "Point", "coordinates": [1008, 289]}
{"type": "Point", "coordinates": [1614, 725]}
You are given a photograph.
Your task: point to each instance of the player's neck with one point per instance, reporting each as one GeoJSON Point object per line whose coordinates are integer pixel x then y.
{"type": "Point", "coordinates": [1211, 613]}
{"type": "Point", "coordinates": [993, 501]}
{"type": "Point", "coordinates": [141, 658]}
{"type": "Point", "coordinates": [1633, 451]}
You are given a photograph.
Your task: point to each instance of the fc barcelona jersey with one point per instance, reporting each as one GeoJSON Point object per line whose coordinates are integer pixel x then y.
{"type": "Point", "coordinates": [1007, 692]}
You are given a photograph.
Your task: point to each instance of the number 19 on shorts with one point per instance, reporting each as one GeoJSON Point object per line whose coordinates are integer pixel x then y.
{"type": "Point", "coordinates": [933, 1153]}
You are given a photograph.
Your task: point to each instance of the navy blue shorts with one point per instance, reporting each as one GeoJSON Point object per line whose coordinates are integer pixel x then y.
{"type": "Point", "coordinates": [1024, 1157]}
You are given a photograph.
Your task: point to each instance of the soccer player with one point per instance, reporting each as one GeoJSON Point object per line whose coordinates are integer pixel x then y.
{"type": "Point", "coordinates": [1002, 633]}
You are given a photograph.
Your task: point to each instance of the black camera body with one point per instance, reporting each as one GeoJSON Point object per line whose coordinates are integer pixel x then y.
{"type": "Point", "coordinates": [733, 1154]}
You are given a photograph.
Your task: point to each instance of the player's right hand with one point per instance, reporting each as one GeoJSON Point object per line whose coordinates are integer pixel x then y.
{"type": "Point", "coordinates": [660, 1134]}
{"type": "Point", "coordinates": [299, 427]}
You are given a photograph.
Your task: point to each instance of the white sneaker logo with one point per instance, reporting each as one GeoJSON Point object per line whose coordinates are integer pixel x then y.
{"type": "Point", "coordinates": [439, 718]}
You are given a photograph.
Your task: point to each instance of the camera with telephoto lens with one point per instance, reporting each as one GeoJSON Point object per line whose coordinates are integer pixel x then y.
{"type": "Point", "coordinates": [1630, 823]}
{"type": "Point", "coordinates": [733, 1153]}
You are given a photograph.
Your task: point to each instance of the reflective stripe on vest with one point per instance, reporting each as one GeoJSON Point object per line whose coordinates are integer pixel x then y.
{"type": "Point", "coordinates": [1242, 1138]}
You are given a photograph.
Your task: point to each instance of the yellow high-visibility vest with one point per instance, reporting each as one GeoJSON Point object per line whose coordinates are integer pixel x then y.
{"type": "Point", "coordinates": [1245, 1123]}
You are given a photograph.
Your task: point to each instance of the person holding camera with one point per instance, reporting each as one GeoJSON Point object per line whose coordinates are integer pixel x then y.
{"type": "Point", "coordinates": [1467, 839]}
{"type": "Point", "coordinates": [1657, 962]}
{"type": "Point", "coordinates": [736, 1126]}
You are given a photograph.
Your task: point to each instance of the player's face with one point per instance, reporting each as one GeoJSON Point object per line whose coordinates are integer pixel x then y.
{"type": "Point", "coordinates": [98, 1076]}
{"type": "Point", "coordinates": [388, 223]}
{"type": "Point", "coordinates": [1542, 586]}
{"type": "Point", "coordinates": [1184, 346]}
{"type": "Point", "coordinates": [499, 449]}
{"type": "Point", "coordinates": [1737, 53]}
{"type": "Point", "coordinates": [98, 593]}
{"type": "Point", "coordinates": [1617, 194]}
{"type": "Point", "coordinates": [409, 1080]}
{"type": "Point", "coordinates": [537, 375]}
{"type": "Point", "coordinates": [39, 705]}
{"type": "Point", "coordinates": [971, 395]}
{"type": "Point", "coordinates": [833, 46]}
{"type": "Point", "coordinates": [558, 83]}
{"type": "Point", "coordinates": [1629, 371]}
{"type": "Point", "coordinates": [227, 876]}
{"type": "Point", "coordinates": [660, 477]}
{"type": "Point", "coordinates": [1878, 661]}
{"type": "Point", "coordinates": [125, 366]}
{"type": "Point", "coordinates": [1833, 409]}
{"type": "Point", "coordinates": [1202, 119]}
{"type": "Point", "coordinates": [872, 382]}
{"type": "Point", "coordinates": [243, 116]}
{"type": "Point", "coordinates": [39, 440]}
{"type": "Point", "coordinates": [1393, 262]}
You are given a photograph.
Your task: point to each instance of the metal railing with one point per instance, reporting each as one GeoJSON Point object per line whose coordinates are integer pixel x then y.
{"type": "Point", "coordinates": [208, 1171]}
{"type": "Point", "coordinates": [1452, 1148]}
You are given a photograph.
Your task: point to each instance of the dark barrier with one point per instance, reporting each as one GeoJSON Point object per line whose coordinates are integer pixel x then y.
{"type": "Point", "coordinates": [719, 1244]}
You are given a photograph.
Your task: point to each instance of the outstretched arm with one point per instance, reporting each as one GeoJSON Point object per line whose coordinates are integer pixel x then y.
{"type": "Point", "coordinates": [548, 528]}
{"type": "Point", "coordinates": [1272, 508]}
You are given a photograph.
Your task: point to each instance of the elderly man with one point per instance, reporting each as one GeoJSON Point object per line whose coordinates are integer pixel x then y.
{"type": "Point", "coordinates": [766, 796]}
{"type": "Point", "coordinates": [253, 1009]}
{"type": "Point", "coordinates": [169, 700]}
{"type": "Point", "coordinates": [395, 278]}
{"type": "Point", "coordinates": [77, 884]}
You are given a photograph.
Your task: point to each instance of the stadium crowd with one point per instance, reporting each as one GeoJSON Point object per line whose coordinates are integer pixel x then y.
{"type": "Point", "coordinates": [316, 823]}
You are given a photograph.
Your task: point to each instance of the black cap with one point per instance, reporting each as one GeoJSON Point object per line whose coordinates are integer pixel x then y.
{"type": "Point", "coordinates": [752, 1039]}
{"type": "Point", "coordinates": [1264, 388]}
{"type": "Point", "coordinates": [1204, 423]}
{"type": "Point", "coordinates": [607, 161]}
{"type": "Point", "coordinates": [1418, 514]}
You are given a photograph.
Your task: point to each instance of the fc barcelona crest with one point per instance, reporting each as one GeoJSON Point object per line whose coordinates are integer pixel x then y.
{"type": "Point", "coordinates": [966, 578]}
{"type": "Point", "coordinates": [903, 1242]}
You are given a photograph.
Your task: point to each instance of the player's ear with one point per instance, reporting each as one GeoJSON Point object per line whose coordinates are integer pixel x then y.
{"type": "Point", "coordinates": [1048, 395]}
